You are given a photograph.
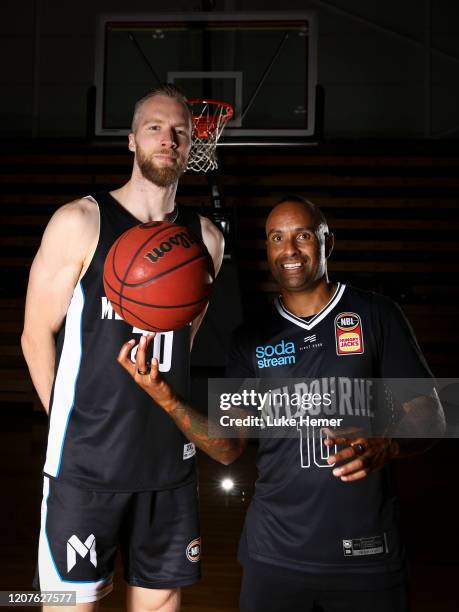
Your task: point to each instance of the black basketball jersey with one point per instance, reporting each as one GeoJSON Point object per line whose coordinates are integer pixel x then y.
{"type": "Point", "coordinates": [105, 432]}
{"type": "Point", "coordinates": [302, 517]}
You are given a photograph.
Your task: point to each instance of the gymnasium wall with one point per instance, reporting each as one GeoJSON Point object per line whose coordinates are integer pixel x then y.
{"type": "Point", "coordinates": [374, 77]}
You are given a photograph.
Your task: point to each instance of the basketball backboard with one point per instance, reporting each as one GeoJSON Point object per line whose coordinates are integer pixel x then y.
{"type": "Point", "coordinates": [264, 64]}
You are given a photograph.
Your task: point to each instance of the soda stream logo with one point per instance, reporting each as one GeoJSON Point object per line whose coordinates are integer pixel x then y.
{"type": "Point", "coordinates": [273, 355]}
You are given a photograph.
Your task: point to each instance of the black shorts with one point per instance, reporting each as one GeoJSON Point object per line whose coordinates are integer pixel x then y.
{"type": "Point", "coordinates": [157, 532]}
{"type": "Point", "coordinates": [270, 588]}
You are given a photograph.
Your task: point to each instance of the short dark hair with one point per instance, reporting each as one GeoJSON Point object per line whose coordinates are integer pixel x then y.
{"type": "Point", "coordinates": [317, 215]}
{"type": "Point", "coordinates": [163, 89]}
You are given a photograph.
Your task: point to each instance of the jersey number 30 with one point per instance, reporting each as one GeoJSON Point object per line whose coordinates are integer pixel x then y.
{"type": "Point", "coordinates": [162, 349]}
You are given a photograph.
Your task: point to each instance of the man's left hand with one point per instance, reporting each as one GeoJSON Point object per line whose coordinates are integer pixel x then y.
{"type": "Point", "coordinates": [363, 456]}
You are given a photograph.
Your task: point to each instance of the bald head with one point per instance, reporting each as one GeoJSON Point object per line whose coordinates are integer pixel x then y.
{"type": "Point", "coordinates": [298, 245]}
{"type": "Point", "coordinates": [296, 206]}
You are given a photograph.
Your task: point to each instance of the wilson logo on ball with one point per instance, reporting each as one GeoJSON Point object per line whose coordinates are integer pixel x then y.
{"type": "Point", "coordinates": [164, 296]}
{"type": "Point", "coordinates": [182, 239]}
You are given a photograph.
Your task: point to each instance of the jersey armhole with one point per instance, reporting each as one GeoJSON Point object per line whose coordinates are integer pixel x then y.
{"type": "Point", "coordinates": [90, 197]}
{"type": "Point", "coordinates": [192, 220]}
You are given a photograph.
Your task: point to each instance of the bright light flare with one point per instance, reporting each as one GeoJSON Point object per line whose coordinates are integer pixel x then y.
{"type": "Point", "coordinates": [227, 484]}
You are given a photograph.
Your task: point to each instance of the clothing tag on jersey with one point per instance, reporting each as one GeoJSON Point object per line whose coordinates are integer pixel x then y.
{"type": "Point", "coordinates": [361, 547]}
{"type": "Point", "coordinates": [348, 334]}
{"type": "Point", "coordinates": [189, 450]}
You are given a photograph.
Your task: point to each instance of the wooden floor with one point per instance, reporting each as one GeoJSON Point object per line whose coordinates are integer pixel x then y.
{"type": "Point", "coordinates": [430, 526]}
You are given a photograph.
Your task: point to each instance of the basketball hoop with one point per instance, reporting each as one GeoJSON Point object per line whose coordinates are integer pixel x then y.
{"type": "Point", "coordinates": [209, 120]}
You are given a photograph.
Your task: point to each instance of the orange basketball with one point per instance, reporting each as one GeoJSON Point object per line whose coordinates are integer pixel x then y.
{"type": "Point", "coordinates": [158, 276]}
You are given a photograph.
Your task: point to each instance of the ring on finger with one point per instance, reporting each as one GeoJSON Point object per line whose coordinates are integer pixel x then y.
{"type": "Point", "coordinates": [359, 449]}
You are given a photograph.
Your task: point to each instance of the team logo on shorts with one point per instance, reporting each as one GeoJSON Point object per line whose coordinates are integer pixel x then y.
{"type": "Point", "coordinates": [193, 550]}
{"type": "Point", "coordinates": [348, 334]}
{"type": "Point", "coordinates": [76, 547]}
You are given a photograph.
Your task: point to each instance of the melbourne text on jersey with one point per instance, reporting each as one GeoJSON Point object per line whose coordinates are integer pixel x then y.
{"type": "Point", "coordinates": [342, 396]}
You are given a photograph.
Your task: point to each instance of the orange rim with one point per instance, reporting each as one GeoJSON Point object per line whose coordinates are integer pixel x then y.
{"type": "Point", "coordinates": [206, 124]}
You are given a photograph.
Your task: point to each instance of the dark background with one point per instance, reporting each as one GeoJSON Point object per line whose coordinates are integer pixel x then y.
{"type": "Point", "coordinates": [384, 172]}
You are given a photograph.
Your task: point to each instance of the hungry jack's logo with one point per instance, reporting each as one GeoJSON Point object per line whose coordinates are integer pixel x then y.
{"type": "Point", "coordinates": [348, 334]}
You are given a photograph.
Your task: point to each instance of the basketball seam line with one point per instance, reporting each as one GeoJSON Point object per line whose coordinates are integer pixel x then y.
{"type": "Point", "coordinates": [148, 325]}
{"type": "Point", "coordinates": [121, 280]}
{"type": "Point", "coordinates": [153, 278]}
{"type": "Point", "coordinates": [132, 301]}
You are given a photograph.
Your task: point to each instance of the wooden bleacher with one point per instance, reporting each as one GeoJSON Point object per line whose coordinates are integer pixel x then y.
{"type": "Point", "coordinates": [393, 207]}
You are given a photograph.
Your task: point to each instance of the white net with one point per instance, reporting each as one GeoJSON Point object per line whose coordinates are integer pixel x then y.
{"type": "Point", "coordinates": [210, 118]}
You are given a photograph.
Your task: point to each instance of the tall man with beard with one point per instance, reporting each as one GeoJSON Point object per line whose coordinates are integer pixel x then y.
{"type": "Point", "coordinates": [321, 533]}
{"type": "Point", "coordinates": [118, 472]}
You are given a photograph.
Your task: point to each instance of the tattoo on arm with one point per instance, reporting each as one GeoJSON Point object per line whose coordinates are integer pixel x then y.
{"type": "Point", "coordinates": [195, 426]}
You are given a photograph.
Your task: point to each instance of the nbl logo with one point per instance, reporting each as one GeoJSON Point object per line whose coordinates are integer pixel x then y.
{"type": "Point", "coordinates": [348, 334]}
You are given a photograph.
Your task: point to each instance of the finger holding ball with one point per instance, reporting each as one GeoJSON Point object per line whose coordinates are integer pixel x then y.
{"type": "Point", "coordinates": [142, 365]}
{"type": "Point", "coordinates": [147, 375]}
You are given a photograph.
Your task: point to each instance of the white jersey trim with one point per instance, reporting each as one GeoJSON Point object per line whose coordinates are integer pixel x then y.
{"type": "Point", "coordinates": [316, 318]}
{"type": "Point", "coordinates": [65, 383]}
{"type": "Point", "coordinates": [92, 199]}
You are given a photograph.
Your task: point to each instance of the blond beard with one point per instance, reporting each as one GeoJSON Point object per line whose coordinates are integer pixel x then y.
{"type": "Point", "coordinates": [161, 177]}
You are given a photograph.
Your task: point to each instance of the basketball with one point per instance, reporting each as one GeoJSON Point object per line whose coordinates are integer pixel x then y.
{"type": "Point", "coordinates": [158, 276]}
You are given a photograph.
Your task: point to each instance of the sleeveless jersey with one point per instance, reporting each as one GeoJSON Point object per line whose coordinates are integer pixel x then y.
{"type": "Point", "coordinates": [301, 516]}
{"type": "Point", "coordinates": [105, 432]}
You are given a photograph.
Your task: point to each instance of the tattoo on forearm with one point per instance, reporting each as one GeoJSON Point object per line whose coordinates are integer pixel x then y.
{"type": "Point", "coordinates": [196, 427]}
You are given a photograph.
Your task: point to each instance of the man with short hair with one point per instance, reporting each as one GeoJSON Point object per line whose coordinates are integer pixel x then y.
{"type": "Point", "coordinates": [321, 533]}
{"type": "Point", "coordinates": [118, 472]}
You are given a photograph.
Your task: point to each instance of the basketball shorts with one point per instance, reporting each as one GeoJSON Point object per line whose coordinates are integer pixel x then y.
{"type": "Point", "coordinates": [81, 531]}
{"type": "Point", "coordinates": [270, 588]}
